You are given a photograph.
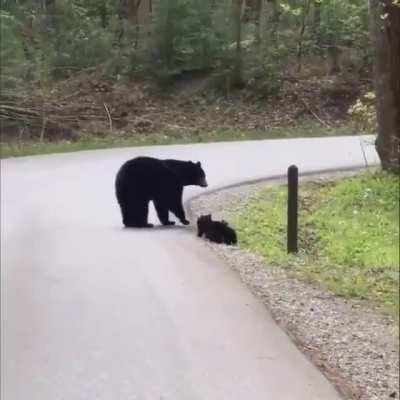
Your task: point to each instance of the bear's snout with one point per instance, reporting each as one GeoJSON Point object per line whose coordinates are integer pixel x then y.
{"type": "Point", "coordinates": [203, 182]}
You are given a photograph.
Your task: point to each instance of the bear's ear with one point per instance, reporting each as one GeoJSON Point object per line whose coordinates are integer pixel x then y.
{"type": "Point", "coordinates": [198, 163]}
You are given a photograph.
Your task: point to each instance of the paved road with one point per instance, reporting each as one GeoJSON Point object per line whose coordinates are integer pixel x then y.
{"type": "Point", "coordinates": [92, 311]}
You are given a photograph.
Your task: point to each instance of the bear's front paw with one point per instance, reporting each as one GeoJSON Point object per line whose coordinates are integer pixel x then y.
{"type": "Point", "coordinates": [185, 222]}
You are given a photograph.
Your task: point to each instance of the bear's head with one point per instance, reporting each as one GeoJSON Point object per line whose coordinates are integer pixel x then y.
{"type": "Point", "coordinates": [203, 222]}
{"type": "Point", "coordinates": [195, 174]}
{"type": "Point", "coordinates": [189, 173]}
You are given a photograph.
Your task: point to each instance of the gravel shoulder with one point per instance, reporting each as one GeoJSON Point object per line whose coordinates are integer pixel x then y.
{"type": "Point", "coordinates": [354, 344]}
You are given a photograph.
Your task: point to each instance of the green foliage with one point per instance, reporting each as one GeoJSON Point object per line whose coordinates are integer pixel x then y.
{"type": "Point", "coordinates": [53, 39]}
{"type": "Point", "coordinates": [188, 35]}
{"type": "Point", "coordinates": [14, 66]}
{"type": "Point", "coordinates": [349, 235]}
{"type": "Point", "coordinates": [339, 22]}
{"type": "Point", "coordinates": [66, 37]}
{"type": "Point", "coordinates": [344, 22]}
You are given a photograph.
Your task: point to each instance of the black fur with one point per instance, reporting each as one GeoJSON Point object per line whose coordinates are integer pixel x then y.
{"type": "Point", "coordinates": [145, 179]}
{"type": "Point", "coordinates": [215, 231]}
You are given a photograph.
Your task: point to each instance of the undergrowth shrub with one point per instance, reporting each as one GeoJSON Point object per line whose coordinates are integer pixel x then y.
{"type": "Point", "coordinates": [363, 113]}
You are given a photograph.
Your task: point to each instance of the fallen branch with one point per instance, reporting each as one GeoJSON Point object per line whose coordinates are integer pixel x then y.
{"type": "Point", "coordinates": [44, 123]}
{"type": "Point", "coordinates": [109, 117]}
{"type": "Point", "coordinates": [314, 114]}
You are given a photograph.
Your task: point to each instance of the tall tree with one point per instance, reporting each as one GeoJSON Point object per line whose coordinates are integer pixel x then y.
{"type": "Point", "coordinates": [274, 20]}
{"type": "Point", "coordinates": [130, 9]}
{"type": "Point", "coordinates": [385, 29]}
{"type": "Point", "coordinates": [316, 23]}
{"type": "Point", "coordinates": [237, 27]}
{"type": "Point", "coordinates": [304, 14]}
{"type": "Point", "coordinates": [258, 20]}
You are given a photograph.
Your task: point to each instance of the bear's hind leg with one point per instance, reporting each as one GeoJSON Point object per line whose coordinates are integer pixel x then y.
{"type": "Point", "coordinates": [125, 216]}
{"type": "Point", "coordinates": [136, 215]}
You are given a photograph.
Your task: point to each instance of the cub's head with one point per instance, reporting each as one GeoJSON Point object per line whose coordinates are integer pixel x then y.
{"type": "Point", "coordinates": [203, 222]}
{"type": "Point", "coordinates": [196, 175]}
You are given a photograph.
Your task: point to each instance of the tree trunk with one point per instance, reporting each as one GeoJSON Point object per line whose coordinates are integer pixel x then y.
{"type": "Point", "coordinates": [385, 29]}
{"type": "Point", "coordinates": [274, 21]}
{"type": "Point", "coordinates": [129, 9]}
{"type": "Point", "coordinates": [237, 26]}
{"type": "Point", "coordinates": [50, 14]}
{"type": "Point", "coordinates": [316, 28]}
{"type": "Point", "coordinates": [206, 17]}
{"type": "Point", "coordinates": [333, 54]}
{"type": "Point", "coordinates": [305, 11]}
{"type": "Point", "coordinates": [103, 12]}
{"type": "Point", "coordinates": [50, 4]}
{"type": "Point", "coordinates": [258, 21]}
{"type": "Point", "coordinates": [243, 6]}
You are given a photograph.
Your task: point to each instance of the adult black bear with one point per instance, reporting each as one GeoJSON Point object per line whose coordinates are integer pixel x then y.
{"type": "Point", "coordinates": [143, 179]}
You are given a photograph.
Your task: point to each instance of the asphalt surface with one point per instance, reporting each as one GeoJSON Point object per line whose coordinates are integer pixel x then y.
{"type": "Point", "coordinates": [90, 310]}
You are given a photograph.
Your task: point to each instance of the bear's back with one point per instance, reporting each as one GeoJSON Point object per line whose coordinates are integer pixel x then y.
{"type": "Point", "coordinates": [146, 176]}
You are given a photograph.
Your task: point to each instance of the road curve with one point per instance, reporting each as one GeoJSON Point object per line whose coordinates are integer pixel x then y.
{"type": "Point", "coordinates": [92, 311]}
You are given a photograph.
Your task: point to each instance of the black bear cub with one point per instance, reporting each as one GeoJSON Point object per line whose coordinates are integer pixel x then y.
{"type": "Point", "coordinates": [215, 231]}
{"type": "Point", "coordinates": [145, 179]}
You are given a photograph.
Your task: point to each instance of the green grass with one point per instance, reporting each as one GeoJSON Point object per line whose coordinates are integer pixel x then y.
{"type": "Point", "coordinates": [28, 148]}
{"type": "Point", "coordinates": [17, 149]}
{"type": "Point", "coordinates": [348, 235]}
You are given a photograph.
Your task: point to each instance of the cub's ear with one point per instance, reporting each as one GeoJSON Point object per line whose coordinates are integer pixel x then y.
{"type": "Point", "coordinates": [198, 163]}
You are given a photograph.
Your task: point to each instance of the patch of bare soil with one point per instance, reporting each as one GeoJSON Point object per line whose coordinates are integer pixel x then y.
{"type": "Point", "coordinates": [89, 102]}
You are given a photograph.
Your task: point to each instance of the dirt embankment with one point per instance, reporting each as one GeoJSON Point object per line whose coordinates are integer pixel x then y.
{"type": "Point", "coordinates": [90, 103]}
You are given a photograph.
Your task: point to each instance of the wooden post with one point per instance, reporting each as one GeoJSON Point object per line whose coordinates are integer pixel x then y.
{"type": "Point", "coordinates": [292, 212]}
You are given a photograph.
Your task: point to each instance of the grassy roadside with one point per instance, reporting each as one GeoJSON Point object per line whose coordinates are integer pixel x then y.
{"type": "Point", "coordinates": [25, 148]}
{"type": "Point", "coordinates": [349, 235]}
